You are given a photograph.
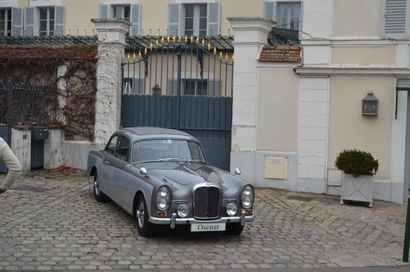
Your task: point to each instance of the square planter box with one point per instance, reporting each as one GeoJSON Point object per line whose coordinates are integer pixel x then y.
{"type": "Point", "coordinates": [357, 188]}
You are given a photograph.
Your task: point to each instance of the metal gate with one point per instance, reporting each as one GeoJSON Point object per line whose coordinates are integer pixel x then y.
{"type": "Point", "coordinates": [27, 104]}
{"type": "Point", "coordinates": [186, 86]}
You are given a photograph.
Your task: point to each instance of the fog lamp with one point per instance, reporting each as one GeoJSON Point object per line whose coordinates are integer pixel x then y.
{"type": "Point", "coordinates": [231, 209]}
{"type": "Point", "coordinates": [182, 210]}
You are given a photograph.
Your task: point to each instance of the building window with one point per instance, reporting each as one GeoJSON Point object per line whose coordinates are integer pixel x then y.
{"type": "Point", "coordinates": [195, 19]}
{"type": "Point", "coordinates": [195, 87]}
{"type": "Point", "coordinates": [122, 12]}
{"type": "Point", "coordinates": [47, 21]}
{"type": "Point", "coordinates": [289, 15]}
{"type": "Point", "coordinates": [5, 22]}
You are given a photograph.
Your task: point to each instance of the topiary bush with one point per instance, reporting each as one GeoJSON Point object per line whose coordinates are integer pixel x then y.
{"type": "Point", "coordinates": [357, 163]}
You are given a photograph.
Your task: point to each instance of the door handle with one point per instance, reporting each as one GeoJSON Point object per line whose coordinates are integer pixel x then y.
{"type": "Point", "coordinates": [106, 162]}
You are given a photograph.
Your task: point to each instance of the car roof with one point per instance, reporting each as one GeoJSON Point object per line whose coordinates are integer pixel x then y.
{"type": "Point", "coordinates": [156, 132]}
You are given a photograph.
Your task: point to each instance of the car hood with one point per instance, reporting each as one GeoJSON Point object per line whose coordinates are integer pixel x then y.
{"type": "Point", "coordinates": [189, 173]}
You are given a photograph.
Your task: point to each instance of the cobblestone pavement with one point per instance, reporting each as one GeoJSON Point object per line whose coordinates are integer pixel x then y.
{"type": "Point", "coordinates": [51, 221]}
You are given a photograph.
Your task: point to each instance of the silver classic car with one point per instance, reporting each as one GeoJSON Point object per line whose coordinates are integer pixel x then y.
{"type": "Point", "coordinates": [160, 176]}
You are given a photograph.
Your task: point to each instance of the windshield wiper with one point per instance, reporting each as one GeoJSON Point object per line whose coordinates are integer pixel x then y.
{"type": "Point", "coordinates": [200, 161]}
{"type": "Point", "coordinates": [169, 159]}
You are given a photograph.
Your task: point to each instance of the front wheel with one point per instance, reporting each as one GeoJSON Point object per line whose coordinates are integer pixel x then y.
{"type": "Point", "coordinates": [98, 194]}
{"type": "Point", "coordinates": [234, 229]}
{"type": "Point", "coordinates": [145, 228]}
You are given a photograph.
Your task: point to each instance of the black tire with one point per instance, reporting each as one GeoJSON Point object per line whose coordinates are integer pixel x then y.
{"type": "Point", "coordinates": [234, 229]}
{"type": "Point", "coordinates": [145, 228]}
{"type": "Point", "coordinates": [98, 194]}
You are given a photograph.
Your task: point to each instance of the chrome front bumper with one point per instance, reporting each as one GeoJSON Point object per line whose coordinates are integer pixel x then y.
{"type": "Point", "coordinates": [173, 221]}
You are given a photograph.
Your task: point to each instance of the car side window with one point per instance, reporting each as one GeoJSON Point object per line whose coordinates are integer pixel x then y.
{"type": "Point", "coordinates": [112, 145]}
{"type": "Point", "coordinates": [123, 147]}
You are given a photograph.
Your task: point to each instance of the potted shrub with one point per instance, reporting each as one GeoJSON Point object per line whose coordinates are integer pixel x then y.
{"type": "Point", "coordinates": [358, 168]}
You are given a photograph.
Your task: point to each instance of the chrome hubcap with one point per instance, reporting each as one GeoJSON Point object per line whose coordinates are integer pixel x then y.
{"type": "Point", "coordinates": [140, 214]}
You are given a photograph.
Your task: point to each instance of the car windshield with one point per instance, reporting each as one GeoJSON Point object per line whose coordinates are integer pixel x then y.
{"type": "Point", "coordinates": [166, 150]}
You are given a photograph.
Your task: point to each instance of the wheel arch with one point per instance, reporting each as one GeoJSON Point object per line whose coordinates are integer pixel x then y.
{"type": "Point", "coordinates": [137, 195]}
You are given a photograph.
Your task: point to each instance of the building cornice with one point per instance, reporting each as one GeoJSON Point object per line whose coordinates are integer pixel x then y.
{"type": "Point", "coordinates": [353, 42]}
{"type": "Point", "coordinates": [402, 72]}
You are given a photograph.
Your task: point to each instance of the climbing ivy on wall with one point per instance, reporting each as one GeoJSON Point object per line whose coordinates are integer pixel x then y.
{"type": "Point", "coordinates": [77, 86]}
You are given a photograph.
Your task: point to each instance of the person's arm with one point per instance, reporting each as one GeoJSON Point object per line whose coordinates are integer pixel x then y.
{"type": "Point", "coordinates": [12, 163]}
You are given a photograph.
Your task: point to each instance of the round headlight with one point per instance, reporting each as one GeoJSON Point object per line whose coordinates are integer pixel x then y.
{"type": "Point", "coordinates": [247, 202]}
{"type": "Point", "coordinates": [162, 204]}
{"type": "Point", "coordinates": [247, 190]}
{"type": "Point", "coordinates": [182, 210]}
{"type": "Point", "coordinates": [163, 191]}
{"type": "Point", "coordinates": [231, 209]}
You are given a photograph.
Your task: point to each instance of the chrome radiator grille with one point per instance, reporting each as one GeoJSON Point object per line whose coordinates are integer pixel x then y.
{"type": "Point", "coordinates": [206, 201]}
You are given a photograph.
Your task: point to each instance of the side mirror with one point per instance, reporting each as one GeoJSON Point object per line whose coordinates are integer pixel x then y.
{"type": "Point", "coordinates": [237, 172]}
{"type": "Point", "coordinates": [144, 171]}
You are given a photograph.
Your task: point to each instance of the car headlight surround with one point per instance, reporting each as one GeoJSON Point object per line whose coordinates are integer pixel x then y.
{"type": "Point", "coordinates": [163, 197]}
{"type": "Point", "coordinates": [183, 210]}
{"type": "Point", "coordinates": [247, 197]}
{"type": "Point", "coordinates": [231, 209]}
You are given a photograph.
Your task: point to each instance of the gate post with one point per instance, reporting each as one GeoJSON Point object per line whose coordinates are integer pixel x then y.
{"type": "Point", "coordinates": [251, 34]}
{"type": "Point", "coordinates": [111, 47]}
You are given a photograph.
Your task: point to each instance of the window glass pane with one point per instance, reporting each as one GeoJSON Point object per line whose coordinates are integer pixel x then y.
{"type": "Point", "coordinates": [43, 26]}
{"type": "Point", "coordinates": [189, 32]}
{"type": "Point", "coordinates": [43, 14]}
{"type": "Point", "coordinates": [196, 151]}
{"type": "Point", "coordinates": [288, 15]}
{"type": "Point", "coordinates": [189, 24]}
{"type": "Point", "coordinates": [52, 13]}
{"type": "Point", "coordinates": [112, 144]}
{"type": "Point", "coordinates": [164, 149]}
{"type": "Point", "coordinates": [8, 28]}
{"type": "Point", "coordinates": [122, 148]}
{"type": "Point", "coordinates": [202, 10]}
{"type": "Point", "coordinates": [189, 11]}
{"type": "Point", "coordinates": [51, 27]}
{"type": "Point", "coordinates": [2, 15]}
{"type": "Point", "coordinates": [127, 12]}
{"type": "Point", "coordinates": [189, 87]}
{"type": "Point", "coordinates": [202, 24]}
{"type": "Point", "coordinates": [118, 12]}
{"type": "Point", "coordinates": [202, 87]}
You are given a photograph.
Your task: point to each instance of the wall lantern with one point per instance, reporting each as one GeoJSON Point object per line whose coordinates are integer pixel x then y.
{"type": "Point", "coordinates": [369, 105]}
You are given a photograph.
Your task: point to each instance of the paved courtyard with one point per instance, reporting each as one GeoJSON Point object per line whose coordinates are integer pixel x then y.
{"type": "Point", "coordinates": [51, 221]}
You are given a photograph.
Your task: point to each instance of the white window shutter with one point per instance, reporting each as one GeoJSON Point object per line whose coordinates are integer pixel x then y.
{"type": "Point", "coordinates": [213, 22]}
{"type": "Point", "coordinates": [269, 10]}
{"type": "Point", "coordinates": [17, 21]}
{"type": "Point", "coordinates": [174, 19]}
{"type": "Point", "coordinates": [29, 21]}
{"type": "Point", "coordinates": [135, 20]}
{"type": "Point", "coordinates": [59, 17]}
{"type": "Point", "coordinates": [104, 11]}
{"type": "Point", "coordinates": [395, 18]}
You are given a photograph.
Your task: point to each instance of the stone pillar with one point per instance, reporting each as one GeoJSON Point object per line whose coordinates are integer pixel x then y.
{"type": "Point", "coordinates": [251, 34]}
{"type": "Point", "coordinates": [111, 45]}
{"type": "Point", "coordinates": [21, 146]}
{"type": "Point", "coordinates": [53, 148]}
